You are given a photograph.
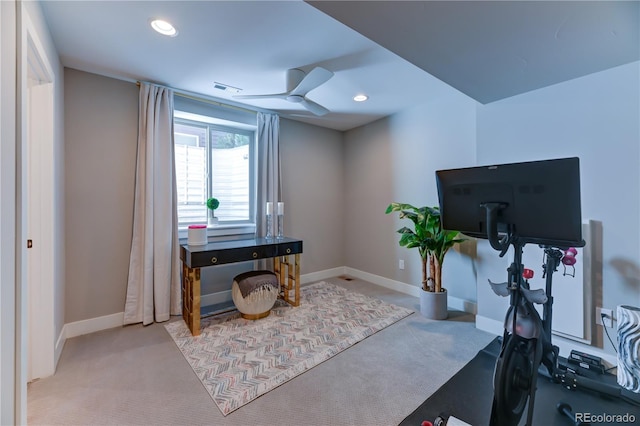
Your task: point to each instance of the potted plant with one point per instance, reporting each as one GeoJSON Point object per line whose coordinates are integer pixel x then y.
{"type": "Point", "coordinates": [432, 243]}
{"type": "Point", "coordinates": [212, 205]}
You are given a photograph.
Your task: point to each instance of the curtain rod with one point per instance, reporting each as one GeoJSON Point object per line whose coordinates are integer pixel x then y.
{"type": "Point", "coordinates": [204, 98]}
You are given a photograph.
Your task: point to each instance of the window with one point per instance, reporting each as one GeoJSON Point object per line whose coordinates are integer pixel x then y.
{"type": "Point", "coordinates": [213, 160]}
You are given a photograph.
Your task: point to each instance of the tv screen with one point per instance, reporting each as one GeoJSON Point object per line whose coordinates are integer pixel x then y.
{"type": "Point", "coordinates": [540, 200]}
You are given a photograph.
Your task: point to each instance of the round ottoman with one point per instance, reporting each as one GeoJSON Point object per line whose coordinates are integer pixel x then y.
{"type": "Point", "coordinates": [254, 293]}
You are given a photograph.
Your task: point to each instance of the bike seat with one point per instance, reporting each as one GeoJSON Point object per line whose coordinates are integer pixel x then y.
{"type": "Point", "coordinates": [534, 296]}
{"type": "Point", "coordinates": [501, 289]}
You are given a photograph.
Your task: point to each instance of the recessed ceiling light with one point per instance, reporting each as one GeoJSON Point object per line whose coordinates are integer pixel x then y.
{"type": "Point", "coordinates": [164, 27]}
{"type": "Point", "coordinates": [360, 98]}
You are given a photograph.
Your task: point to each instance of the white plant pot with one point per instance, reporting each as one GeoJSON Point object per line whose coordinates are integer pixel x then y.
{"type": "Point", "coordinates": [434, 305]}
{"type": "Point", "coordinates": [212, 220]}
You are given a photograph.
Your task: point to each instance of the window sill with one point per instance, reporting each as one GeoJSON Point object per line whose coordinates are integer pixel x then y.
{"type": "Point", "coordinates": [231, 230]}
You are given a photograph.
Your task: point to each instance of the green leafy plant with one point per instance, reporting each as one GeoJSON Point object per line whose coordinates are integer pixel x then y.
{"type": "Point", "coordinates": [213, 204]}
{"type": "Point", "coordinates": [428, 237]}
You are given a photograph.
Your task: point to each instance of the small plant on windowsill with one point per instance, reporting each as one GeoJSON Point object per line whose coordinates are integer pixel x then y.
{"type": "Point", "coordinates": [212, 205]}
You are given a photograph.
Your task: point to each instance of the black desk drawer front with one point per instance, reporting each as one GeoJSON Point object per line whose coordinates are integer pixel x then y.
{"type": "Point", "coordinates": [223, 252]}
{"type": "Point", "coordinates": [242, 254]}
{"type": "Point", "coordinates": [289, 248]}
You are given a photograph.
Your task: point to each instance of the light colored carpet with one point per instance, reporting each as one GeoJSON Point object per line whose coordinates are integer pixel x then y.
{"type": "Point", "coordinates": [136, 375]}
{"type": "Point", "coordinates": [237, 360]}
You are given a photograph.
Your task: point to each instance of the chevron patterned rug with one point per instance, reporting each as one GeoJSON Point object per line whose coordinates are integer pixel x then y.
{"type": "Point", "coordinates": [238, 360]}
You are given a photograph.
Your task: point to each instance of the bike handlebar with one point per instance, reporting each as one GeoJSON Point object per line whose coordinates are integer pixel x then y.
{"type": "Point", "coordinates": [502, 245]}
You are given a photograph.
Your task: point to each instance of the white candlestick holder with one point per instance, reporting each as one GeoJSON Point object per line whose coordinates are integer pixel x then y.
{"type": "Point", "coordinates": [280, 234]}
{"type": "Point", "coordinates": [269, 234]}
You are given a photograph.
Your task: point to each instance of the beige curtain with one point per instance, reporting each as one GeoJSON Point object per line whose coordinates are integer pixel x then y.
{"type": "Point", "coordinates": [153, 289]}
{"type": "Point", "coordinates": [269, 187]}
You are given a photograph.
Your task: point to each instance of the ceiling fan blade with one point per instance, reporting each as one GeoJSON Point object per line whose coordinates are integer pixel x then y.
{"type": "Point", "coordinates": [315, 108]}
{"type": "Point", "coordinates": [272, 96]}
{"type": "Point", "coordinates": [315, 78]}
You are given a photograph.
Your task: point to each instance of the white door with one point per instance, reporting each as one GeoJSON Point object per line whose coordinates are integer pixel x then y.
{"type": "Point", "coordinates": [38, 212]}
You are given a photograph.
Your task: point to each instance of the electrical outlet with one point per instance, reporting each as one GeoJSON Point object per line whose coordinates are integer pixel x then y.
{"type": "Point", "coordinates": [604, 317]}
{"type": "Point", "coordinates": [401, 264]}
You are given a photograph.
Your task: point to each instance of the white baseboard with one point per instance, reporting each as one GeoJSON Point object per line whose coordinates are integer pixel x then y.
{"type": "Point", "coordinates": [215, 298]}
{"type": "Point", "coordinates": [398, 286]}
{"type": "Point", "coordinates": [453, 302]}
{"type": "Point", "coordinates": [565, 345]}
{"type": "Point", "coordinates": [489, 325]}
{"type": "Point", "coordinates": [322, 275]}
{"type": "Point", "coordinates": [92, 325]}
{"type": "Point", "coordinates": [62, 339]}
{"type": "Point", "coordinates": [79, 328]}
{"type": "Point", "coordinates": [225, 296]}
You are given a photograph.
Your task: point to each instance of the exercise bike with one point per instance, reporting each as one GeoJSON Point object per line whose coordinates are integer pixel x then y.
{"type": "Point", "coordinates": [526, 341]}
{"type": "Point", "coordinates": [526, 203]}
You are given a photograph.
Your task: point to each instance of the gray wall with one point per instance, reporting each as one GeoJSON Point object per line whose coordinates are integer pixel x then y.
{"type": "Point", "coordinates": [313, 186]}
{"type": "Point", "coordinates": [101, 127]}
{"type": "Point", "coordinates": [101, 117]}
{"type": "Point", "coordinates": [596, 118]}
{"type": "Point", "coordinates": [394, 159]}
{"type": "Point", "coordinates": [336, 186]}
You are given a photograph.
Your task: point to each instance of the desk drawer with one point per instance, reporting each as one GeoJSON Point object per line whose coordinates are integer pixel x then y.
{"type": "Point", "coordinates": [284, 249]}
{"type": "Point", "coordinates": [241, 254]}
{"type": "Point", "coordinates": [223, 252]}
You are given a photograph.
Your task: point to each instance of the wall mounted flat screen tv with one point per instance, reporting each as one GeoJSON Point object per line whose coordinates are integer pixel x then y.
{"type": "Point", "coordinates": [540, 200]}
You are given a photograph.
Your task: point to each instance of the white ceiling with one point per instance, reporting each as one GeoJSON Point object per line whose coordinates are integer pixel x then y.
{"type": "Point", "coordinates": [488, 50]}
{"type": "Point", "coordinates": [491, 50]}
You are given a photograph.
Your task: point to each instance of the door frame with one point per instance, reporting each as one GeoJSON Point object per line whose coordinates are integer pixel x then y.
{"type": "Point", "coordinates": [11, 401]}
{"type": "Point", "coordinates": [33, 143]}
{"type": "Point", "coordinates": [39, 210]}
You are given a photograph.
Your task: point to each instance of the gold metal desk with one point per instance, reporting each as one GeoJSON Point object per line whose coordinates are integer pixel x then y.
{"type": "Point", "coordinates": [285, 252]}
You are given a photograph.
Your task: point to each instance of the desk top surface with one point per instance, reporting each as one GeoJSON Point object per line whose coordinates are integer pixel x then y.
{"type": "Point", "coordinates": [235, 244]}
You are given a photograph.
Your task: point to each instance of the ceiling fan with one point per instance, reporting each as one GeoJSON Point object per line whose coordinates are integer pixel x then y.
{"type": "Point", "coordinates": [299, 84]}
